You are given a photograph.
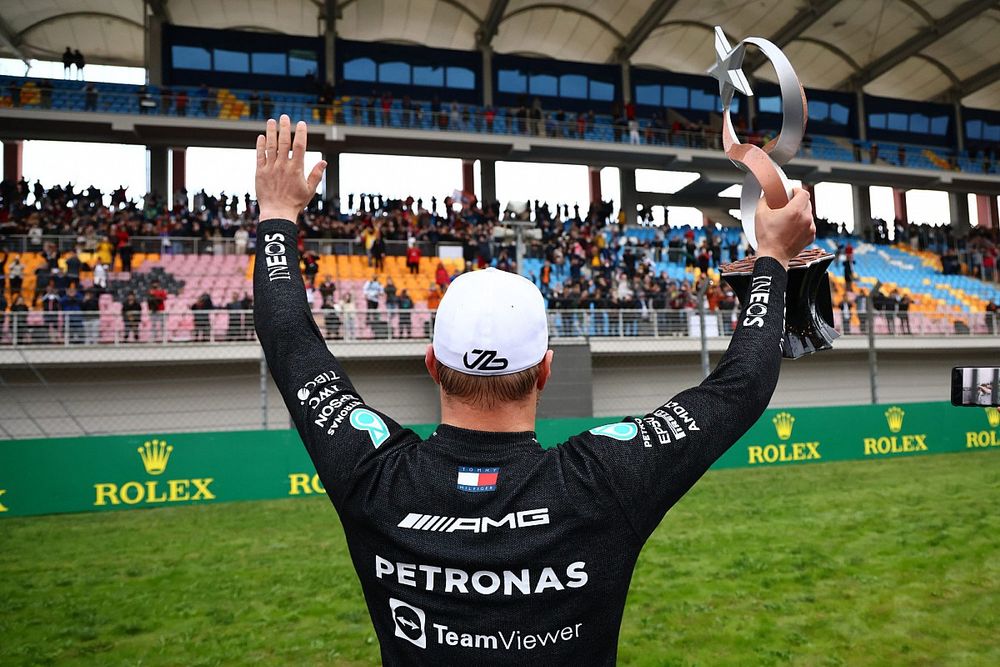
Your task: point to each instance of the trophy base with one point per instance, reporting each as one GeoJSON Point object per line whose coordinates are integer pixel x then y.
{"type": "Point", "coordinates": [808, 304]}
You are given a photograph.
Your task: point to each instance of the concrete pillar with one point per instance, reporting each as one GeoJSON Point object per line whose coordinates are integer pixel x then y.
{"type": "Point", "coordinates": [986, 206]}
{"type": "Point", "coordinates": [13, 160]}
{"type": "Point", "coordinates": [178, 171]}
{"type": "Point", "coordinates": [488, 181]}
{"type": "Point", "coordinates": [158, 157]}
{"type": "Point", "coordinates": [468, 177]}
{"type": "Point", "coordinates": [899, 205]}
{"type": "Point", "coordinates": [154, 49]}
{"type": "Point", "coordinates": [629, 198]}
{"type": "Point", "coordinates": [958, 207]}
{"type": "Point", "coordinates": [330, 40]}
{"type": "Point", "coordinates": [862, 121]}
{"type": "Point", "coordinates": [331, 177]}
{"type": "Point", "coordinates": [626, 82]}
{"type": "Point", "coordinates": [486, 72]}
{"type": "Point", "coordinates": [959, 125]}
{"type": "Point", "coordinates": [862, 199]}
{"type": "Point", "coordinates": [594, 176]}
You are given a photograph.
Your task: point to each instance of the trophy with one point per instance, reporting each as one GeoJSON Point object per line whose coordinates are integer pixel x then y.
{"type": "Point", "coordinates": [808, 307]}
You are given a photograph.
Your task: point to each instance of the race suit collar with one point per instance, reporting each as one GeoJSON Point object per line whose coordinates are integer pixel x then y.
{"type": "Point", "coordinates": [485, 441]}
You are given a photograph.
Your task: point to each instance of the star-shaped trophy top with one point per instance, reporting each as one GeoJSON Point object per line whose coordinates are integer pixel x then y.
{"type": "Point", "coordinates": [728, 68]}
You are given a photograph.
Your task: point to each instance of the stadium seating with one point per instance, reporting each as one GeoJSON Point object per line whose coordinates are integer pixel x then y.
{"type": "Point", "coordinates": [230, 104]}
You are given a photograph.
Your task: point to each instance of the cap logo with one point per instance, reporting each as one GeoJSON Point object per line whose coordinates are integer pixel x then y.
{"type": "Point", "coordinates": [486, 361]}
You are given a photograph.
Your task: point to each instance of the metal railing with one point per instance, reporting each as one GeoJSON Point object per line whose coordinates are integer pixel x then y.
{"type": "Point", "coordinates": [223, 325]}
{"type": "Point", "coordinates": [192, 245]}
{"type": "Point", "coordinates": [467, 118]}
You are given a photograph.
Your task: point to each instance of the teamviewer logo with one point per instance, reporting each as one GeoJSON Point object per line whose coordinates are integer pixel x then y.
{"type": "Point", "coordinates": [410, 622]}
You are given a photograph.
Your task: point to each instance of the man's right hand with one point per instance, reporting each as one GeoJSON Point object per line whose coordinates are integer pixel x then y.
{"type": "Point", "coordinates": [782, 233]}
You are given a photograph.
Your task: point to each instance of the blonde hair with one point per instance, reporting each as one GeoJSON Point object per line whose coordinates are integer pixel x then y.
{"type": "Point", "coordinates": [486, 391]}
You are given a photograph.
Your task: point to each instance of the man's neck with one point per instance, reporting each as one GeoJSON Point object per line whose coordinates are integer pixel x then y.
{"type": "Point", "coordinates": [505, 418]}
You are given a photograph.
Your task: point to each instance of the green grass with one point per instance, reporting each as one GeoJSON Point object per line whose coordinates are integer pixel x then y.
{"type": "Point", "coordinates": [861, 563]}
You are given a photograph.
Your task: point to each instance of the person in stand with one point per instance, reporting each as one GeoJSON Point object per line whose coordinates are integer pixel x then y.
{"type": "Point", "coordinates": [123, 247]}
{"type": "Point", "coordinates": [441, 276]}
{"type": "Point", "coordinates": [202, 309]}
{"type": "Point", "coordinates": [378, 251]}
{"type": "Point", "coordinates": [90, 97]}
{"type": "Point", "coordinates": [16, 276]}
{"type": "Point", "coordinates": [405, 315]}
{"type": "Point", "coordinates": [73, 267]}
{"type": "Point", "coordinates": [845, 314]}
{"type": "Point", "coordinates": [19, 319]}
{"type": "Point", "coordinates": [131, 317]}
{"type": "Point", "coordinates": [51, 303]}
{"type": "Point", "coordinates": [234, 323]}
{"type": "Point", "coordinates": [310, 266]}
{"type": "Point", "coordinates": [413, 256]}
{"type": "Point", "coordinates": [67, 61]}
{"type": "Point", "coordinates": [181, 102]}
{"type": "Point", "coordinates": [156, 300]}
{"type": "Point", "coordinates": [903, 310]}
{"type": "Point", "coordinates": [331, 315]}
{"type": "Point", "coordinates": [90, 309]}
{"type": "Point", "coordinates": [434, 294]}
{"type": "Point", "coordinates": [348, 313]}
{"type": "Point", "coordinates": [71, 306]}
{"type": "Point", "coordinates": [391, 301]}
{"type": "Point", "coordinates": [241, 239]}
{"type": "Point", "coordinates": [373, 292]}
{"type": "Point", "coordinates": [79, 60]}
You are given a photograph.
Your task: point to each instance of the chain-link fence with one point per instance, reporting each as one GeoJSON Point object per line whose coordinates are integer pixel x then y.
{"type": "Point", "coordinates": [78, 373]}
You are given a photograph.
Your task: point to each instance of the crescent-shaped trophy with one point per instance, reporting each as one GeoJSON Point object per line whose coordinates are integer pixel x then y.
{"type": "Point", "coordinates": [809, 307]}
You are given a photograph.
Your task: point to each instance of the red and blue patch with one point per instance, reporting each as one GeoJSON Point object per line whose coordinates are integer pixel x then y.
{"type": "Point", "coordinates": [477, 480]}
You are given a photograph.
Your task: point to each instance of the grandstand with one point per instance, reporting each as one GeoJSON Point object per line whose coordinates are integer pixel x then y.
{"type": "Point", "coordinates": [109, 403]}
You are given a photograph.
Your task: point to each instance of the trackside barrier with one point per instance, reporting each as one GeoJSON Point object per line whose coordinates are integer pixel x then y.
{"type": "Point", "coordinates": [48, 476]}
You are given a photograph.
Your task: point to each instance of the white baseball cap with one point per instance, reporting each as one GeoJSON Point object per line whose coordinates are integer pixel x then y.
{"type": "Point", "coordinates": [491, 322]}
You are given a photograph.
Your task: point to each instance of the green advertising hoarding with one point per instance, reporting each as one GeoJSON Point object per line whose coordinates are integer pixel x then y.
{"type": "Point", "coordinates": [47, 476]}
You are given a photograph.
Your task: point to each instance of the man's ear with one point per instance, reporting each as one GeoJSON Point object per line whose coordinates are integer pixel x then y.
{"type": "Point", "coordinates": [431, 363]}
{"type": "Point", "coordinates": [546, 371]}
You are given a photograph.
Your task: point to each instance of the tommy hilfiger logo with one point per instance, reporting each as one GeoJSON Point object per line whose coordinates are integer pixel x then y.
{"type": "Point", "coordinates": [476, 480]}
{"type": "Point", "coordinates": [487, 360]}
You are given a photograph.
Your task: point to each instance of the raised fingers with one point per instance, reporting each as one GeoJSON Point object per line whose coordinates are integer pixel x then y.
{"type": "Point", "coordinates": [271, 140]}
{"type": "Point", "coordinates": [261, 151]}
{"type": "Point", "coordinates": [299, 142]}
{"type": "Point", "coordinates": [315, 175]}
{"type": "Point", "coordinates": [284, 136]}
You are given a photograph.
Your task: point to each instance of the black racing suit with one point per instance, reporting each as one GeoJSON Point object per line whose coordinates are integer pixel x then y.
{"type": "Point", "coordinates": [483, 548]}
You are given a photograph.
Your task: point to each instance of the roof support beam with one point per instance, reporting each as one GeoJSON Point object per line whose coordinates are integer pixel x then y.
{"type": "Point", "coordinates": [788, 33]}
{"type": "Point", "coordinates": [160, 10]}
{"type": "Point", "coordinates": [973, 84]}
{"type": "Point", "coordinates": [641, 30]}
{"type": "Point", "coordinates": [491, 22]}
{"type": "Point", "coordinates": [12, 41]}
{"type": "Point", "coordinates": [963, 13]}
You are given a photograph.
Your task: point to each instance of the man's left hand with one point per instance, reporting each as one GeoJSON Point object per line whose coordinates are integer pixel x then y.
{"type": "Point", "coordinates": [282, 189]}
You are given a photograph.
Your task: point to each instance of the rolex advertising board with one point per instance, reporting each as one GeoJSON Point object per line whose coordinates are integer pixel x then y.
{"type": "Point", "coordinates": [49, 476]}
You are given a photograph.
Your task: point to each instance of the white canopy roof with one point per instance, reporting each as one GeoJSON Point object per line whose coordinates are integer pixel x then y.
{"type": "Point", "coordinates": [912, 49]}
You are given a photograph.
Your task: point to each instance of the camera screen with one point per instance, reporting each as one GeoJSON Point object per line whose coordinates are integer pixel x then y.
{"type": "Point", "coordinates": [975, 386]}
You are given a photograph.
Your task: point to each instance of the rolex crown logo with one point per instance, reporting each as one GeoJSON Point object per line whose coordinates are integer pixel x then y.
{"type": "Point", "coordinates": [894, 417]}
{"type": "Point", "coordinates": [155, 454]}
{"type": "Point", "coordinates": [783, 423]}
{"type": "Point", "coordinates": [993, 415]}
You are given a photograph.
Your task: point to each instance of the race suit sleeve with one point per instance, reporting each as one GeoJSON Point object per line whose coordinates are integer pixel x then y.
{"type": "Point", "coordinates": [650, 462]}
{"type": "Point", "coordinates": [340, 432]}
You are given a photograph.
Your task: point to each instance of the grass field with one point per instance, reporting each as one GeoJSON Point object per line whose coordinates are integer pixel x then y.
{"type": "Point", "coordinates": [862, 563]}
